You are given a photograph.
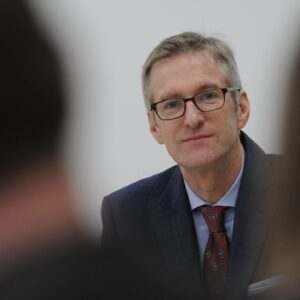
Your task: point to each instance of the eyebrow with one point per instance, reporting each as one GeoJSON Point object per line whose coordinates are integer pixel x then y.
{"type": "Point", "coordinates": [201, 88]}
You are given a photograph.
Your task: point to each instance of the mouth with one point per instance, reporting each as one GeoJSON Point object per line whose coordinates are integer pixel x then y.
{"type": "Point", "coordinates": [196, 138]}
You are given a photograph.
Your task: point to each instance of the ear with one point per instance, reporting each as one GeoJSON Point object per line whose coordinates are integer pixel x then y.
{"type": "Point", "coordinates": [154, 129]}
{"type": "Point", "coordinates": [243, 110]}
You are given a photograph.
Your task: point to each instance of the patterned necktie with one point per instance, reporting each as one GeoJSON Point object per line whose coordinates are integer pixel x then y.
{"type": "Point", "coordinates": [216, 254]}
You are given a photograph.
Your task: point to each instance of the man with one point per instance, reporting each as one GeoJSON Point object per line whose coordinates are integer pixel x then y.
{"type": "Point", "coordinates": [204, 219]}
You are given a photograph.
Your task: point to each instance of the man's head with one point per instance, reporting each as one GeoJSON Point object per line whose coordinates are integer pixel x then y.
{"type": "Point", "coordinates": [32, 100]}
{"type": "Point", "coordinates": [199, 71]}
{"type": "Point", "coordinates": [191, 42]}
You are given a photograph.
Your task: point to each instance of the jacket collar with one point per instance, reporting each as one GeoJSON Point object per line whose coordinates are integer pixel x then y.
{"type": "Point", "coordinates": [250, 225]}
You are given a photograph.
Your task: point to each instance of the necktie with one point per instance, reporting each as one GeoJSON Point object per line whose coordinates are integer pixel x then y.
{"type": "Point", "coordinates": [216, 255]}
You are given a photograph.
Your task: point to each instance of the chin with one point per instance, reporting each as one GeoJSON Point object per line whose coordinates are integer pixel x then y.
{"type": "Point", "coordinates": [197, 161]}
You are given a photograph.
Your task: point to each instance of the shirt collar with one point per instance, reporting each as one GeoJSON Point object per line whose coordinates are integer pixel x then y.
{"type": "Point", "coordinates": [228, 199]}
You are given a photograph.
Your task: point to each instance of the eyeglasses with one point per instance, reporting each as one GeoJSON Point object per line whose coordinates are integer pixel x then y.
{"type": "Point", "coordinates": [205, 101]}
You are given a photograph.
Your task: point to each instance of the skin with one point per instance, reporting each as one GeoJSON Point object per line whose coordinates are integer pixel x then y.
{"type": "Point", "coordinates": [37, 212]}
{"type": "Point", "coordinates": [205, 145]}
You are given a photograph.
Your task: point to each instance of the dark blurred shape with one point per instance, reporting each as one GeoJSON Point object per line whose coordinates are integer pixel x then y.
{"type": "Point", "coordinates": [287, 214]}
{"type": "Point", "coordinates": [32, 96]}
{"type": "Point", "coordinates": [43, 252]}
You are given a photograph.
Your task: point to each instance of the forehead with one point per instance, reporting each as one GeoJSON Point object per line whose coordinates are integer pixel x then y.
{"type": "Point", "coordinates": [183, 74]}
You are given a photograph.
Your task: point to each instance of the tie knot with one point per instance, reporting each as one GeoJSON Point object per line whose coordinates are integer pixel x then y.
{"type": "Point", "coordinates": [213, 216]}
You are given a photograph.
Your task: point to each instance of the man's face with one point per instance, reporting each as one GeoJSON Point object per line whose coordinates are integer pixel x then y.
{"type": "Point", "coordinates": [197, 139]}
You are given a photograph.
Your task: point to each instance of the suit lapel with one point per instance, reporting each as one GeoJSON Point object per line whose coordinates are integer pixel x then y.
{"type": "Point", "coordinates": [172, 223]}
{"type": "Point", "coordinates": [250, 226]}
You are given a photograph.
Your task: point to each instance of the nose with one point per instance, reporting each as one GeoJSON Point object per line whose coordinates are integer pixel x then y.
{"type": "Point", "coordinates": [193, 117]}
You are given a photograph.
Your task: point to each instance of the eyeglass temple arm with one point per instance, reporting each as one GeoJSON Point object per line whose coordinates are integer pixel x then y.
{"type": "Point", "coordinates": [233, 89]}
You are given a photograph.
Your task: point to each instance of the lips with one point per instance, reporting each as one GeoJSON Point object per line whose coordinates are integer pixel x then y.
{"type": "Point", "coordinates": [196, 137]}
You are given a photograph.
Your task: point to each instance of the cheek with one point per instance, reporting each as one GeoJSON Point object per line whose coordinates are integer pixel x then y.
{"type": "Point", "coordinates": [233, 117]}
{"type": "Point", "coordinates": [229, 127]}
{"type": "Point", "coordinates": [170, 136]}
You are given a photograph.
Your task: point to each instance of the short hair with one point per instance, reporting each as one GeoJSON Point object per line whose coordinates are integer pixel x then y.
{"type": "Point", "coordinates": [32, 96]}
{"type": "Point", "coordinates": [187, 42]}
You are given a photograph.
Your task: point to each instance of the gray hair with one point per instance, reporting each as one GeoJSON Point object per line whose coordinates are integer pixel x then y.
{"type": "Point", "coordinates": [191, 41]}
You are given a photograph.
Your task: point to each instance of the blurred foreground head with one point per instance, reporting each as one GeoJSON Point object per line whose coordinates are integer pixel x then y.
{"type": "Point", "coordinates": [43, 252]}
{"type": "Point", "coordinates": [290, 205]}
{"type": "Point", "coordinates": [32, 101]}
{"type": "Point", "coordinates": [36, 199]}
{"type": "Point", "coordinates": [287, 215]}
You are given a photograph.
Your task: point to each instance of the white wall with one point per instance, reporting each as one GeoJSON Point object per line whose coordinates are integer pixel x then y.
{"type": "Point", "coordinates": [105, 43]}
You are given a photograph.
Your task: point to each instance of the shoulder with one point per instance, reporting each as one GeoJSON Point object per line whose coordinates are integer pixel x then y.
{"type": "Point", "coordinates": [255, 153]}
{"type": "Point", "coordinates": [143, 189]}
{"type": "Point", "coordinates": [275, 158]}
{"type": "Point", "coordinates": [276, 164]}
{"type": "Point", "coordinates": [260, 168]}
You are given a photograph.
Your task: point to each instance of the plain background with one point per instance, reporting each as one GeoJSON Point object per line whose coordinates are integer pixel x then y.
{"type": "Point", "coordinates": [104, 44]}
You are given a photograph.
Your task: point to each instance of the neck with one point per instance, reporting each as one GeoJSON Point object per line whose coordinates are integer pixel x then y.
{"type": "Point", "coordinates": [36, 211]}
{"type": "Point", "coordinates": [211, 182]}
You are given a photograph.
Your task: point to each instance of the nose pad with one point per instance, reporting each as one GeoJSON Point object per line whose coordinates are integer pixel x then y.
{"type": "Point", "coordinates": [193, 116]}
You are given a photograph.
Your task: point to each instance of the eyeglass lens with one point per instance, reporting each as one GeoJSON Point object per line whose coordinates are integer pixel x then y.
{"type": "Point", "coordinates": [204, 101]}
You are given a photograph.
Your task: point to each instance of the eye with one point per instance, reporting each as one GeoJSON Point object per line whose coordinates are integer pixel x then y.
{"type": "Point", "coordinates": [171, 104]}
{"type": "Point", "coordinates": [210, 95]}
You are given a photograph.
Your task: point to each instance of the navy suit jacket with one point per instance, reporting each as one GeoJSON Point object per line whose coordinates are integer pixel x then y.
{"type": "Point", "coordinates": [151, 221]}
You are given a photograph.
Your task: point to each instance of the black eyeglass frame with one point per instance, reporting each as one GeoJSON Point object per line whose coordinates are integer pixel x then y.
{"type": "Point", "coordinates": [224, 91]}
